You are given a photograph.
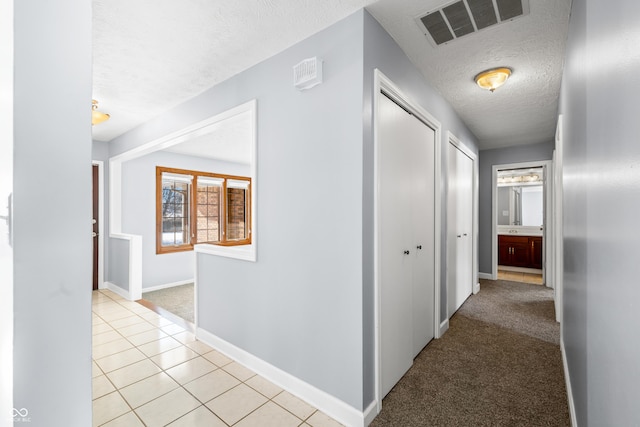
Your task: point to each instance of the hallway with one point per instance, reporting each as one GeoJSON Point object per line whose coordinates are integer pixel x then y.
{"type": "Point", "coordinates": [498, 364]}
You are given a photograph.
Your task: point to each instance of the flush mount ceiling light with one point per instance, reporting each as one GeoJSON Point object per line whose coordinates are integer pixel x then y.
{"type": "Point", "coordinates": [493, 79]}
{"type": "Point", "coordinates": [96, 116]}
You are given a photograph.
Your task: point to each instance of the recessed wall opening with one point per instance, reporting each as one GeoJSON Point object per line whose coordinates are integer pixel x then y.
{"type": "Point", "coordinates": [221, 146]}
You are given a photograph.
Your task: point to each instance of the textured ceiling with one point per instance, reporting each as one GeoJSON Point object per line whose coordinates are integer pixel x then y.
{"type": "Point", "coordinates": [151, 56]}
{"type": "Point", "coordinates": [228, 140]}
{"type": "Point", "coordinates": [524, 110]}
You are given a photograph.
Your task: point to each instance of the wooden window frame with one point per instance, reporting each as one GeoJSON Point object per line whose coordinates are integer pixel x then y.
{"type": "Point", "coordinates": [160, 249]}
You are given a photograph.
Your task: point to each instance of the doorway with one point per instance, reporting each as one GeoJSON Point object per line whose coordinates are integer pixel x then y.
{"type": "Point", "coordinates": [521, 231]}
{"type": "Point", "coordinates": [97, 185]}
{"type": "Point", "coordinates": [95, 225]}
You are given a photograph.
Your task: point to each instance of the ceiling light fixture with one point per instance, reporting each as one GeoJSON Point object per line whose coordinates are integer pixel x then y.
{"type": "Point", "coordinates": [493, 79]}
{"type": "Point", "coordinates": [96, 116]}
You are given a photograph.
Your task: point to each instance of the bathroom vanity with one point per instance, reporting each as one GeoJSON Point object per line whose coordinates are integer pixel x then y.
{"type": "Point", "coordinates": [517, 250]}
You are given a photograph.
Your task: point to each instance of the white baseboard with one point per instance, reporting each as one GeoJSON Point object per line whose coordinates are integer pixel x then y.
{"type": "Point", "coordinates": [167, 285]}
{"type": "Point", "coordinates": [572, 407]}
{"type": "Point", "coordinates": [444, 327]}
{"type": "Point", "coordinates": [330, 405]}
{"type": "Point", "coordinates": [487, 276]}
{"type": "Point", "coordinates": [118, 290]}
{"type": "Point", "coordinates": [476, 288]}
{"type": "Point", "coordinates": [370, 413]}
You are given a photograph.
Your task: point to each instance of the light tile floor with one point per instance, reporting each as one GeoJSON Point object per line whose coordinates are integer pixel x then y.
{"type": "Point", "coordinates": [148, 371]}
{"type": "Point", "coordinates": [517, 276]}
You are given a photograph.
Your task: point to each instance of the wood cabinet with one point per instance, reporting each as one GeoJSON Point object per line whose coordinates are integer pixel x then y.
{"type": "Point", "coordinates": [520, 251]}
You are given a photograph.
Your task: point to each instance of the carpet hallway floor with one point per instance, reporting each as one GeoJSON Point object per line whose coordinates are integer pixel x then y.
{"type": "Point", "coordinates": [499, 364]}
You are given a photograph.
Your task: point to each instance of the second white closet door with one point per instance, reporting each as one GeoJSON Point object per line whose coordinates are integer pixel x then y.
{"type": "Point", "coordinates": [459, 228]}
{"type": "Point", "coordinates": [422, 158]}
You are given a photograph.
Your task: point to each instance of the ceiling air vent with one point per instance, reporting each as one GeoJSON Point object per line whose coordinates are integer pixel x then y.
{"type": "Point", "coordinates": [464, 17]}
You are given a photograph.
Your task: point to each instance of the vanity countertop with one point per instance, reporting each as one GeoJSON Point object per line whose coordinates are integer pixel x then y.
{"type": "Point", "coordinates": [518, 230]}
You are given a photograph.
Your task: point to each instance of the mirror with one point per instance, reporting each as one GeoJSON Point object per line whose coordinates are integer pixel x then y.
{"type": "Point", "coordinates": [520, 197]}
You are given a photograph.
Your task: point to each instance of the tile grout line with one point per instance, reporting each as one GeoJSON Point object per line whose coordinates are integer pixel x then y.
{"type": "Point", "coordinates": [303, 421]}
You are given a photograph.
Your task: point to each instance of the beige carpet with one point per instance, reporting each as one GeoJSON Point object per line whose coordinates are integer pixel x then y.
{"type": "Point", "coordinates": [499, 364]}
{"type": "Point", "coordinates": [177, 300]}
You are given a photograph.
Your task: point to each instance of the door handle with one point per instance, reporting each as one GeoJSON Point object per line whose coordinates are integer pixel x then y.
{"type": "Point", "coordinates": [406, 252]}
{"type": "Point", "coordinates": [94, 234]}
{"type": "Point", "coordinates": [419, 247]}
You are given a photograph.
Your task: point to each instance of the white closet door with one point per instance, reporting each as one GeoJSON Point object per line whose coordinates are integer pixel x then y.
{"type": "Point", "coordinates": [422, 249]}
{"type": "Point", "coordinates": [459, 228]}
{"type": "Point", "coordinates": [395, 273]}
{"type": "Point", "coordinates": [452, 229]}
{"type": "Point", "coordinates": [406, 198]}
{"type": "Point", "coordinates": [465, 224]}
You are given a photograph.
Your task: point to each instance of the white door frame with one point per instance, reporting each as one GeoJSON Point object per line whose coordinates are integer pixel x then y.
{"type": "Point", "coordinates": [453, 140]}
{"type": "Point", "coordinates": [558, 250]}
{"type": "Point", "coordinates": [382, 83]}
{"type": "Point", "coordinates": [100, 165]}
{"type": "Point", "coordinates": [547, 232]}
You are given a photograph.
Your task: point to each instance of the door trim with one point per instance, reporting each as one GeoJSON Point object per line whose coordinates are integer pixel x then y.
{"type": "Point", "coordinates": [383, 86]}
{"type": "Point", "coordinates": [100, 164]}
{"type": "Point", "coordinates": [558, 242]}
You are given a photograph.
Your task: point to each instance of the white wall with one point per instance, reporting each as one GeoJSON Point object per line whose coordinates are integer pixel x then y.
{"type": "Point", "coordinates": [139, 212]}
{"type": "Point", "coordinates": [6, 188]}
{"type": "Point", "coordinates": [299, 307]}
{"type": "Point", "coordinates": [601, 181]}
{"type": "Point", "coordinates": [52, 207]}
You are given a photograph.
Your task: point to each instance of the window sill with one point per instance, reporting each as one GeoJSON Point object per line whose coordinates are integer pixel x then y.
{"type": "Point", "coordinates": [242, 252]}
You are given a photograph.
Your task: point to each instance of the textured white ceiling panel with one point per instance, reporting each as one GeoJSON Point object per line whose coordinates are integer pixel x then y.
{"type": "Point", "coordinates": [524, 110]}
{"type": "Point", "coordinates": [150, 56]}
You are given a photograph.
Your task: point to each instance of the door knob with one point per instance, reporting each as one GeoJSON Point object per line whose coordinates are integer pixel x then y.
{"type": "Point", "coordinates": [419, 247]}
{"type": "Point", "coordinates": [459, 236]}
{"type": "Point", "coordinates": [94, 234]}
{"type": "Point", "coordinates": [406, 252]}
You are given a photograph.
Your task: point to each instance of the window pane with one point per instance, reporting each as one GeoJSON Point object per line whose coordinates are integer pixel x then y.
{"type": "Point", "coordinates": [236, 214]}
{"type": "Point", "coordinates": [175, 213]}
{"type": "Point", "coordinates": [213, 235]}
{"type": "Point", "coordinates": [208, 213]}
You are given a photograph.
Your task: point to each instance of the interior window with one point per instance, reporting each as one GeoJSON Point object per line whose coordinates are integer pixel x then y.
{"type": "Point", "coordinates": [201, 207]}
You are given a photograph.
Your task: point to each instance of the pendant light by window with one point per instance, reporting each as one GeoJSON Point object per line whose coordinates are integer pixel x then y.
{"type": "Point", "coordinates": [96, 116]}
{"type": "Point", "coordinates": [493, 79]}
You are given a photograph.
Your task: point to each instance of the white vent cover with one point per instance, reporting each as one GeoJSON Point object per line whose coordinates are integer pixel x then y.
{"type": "Point", "coordinates": [307, 73]}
